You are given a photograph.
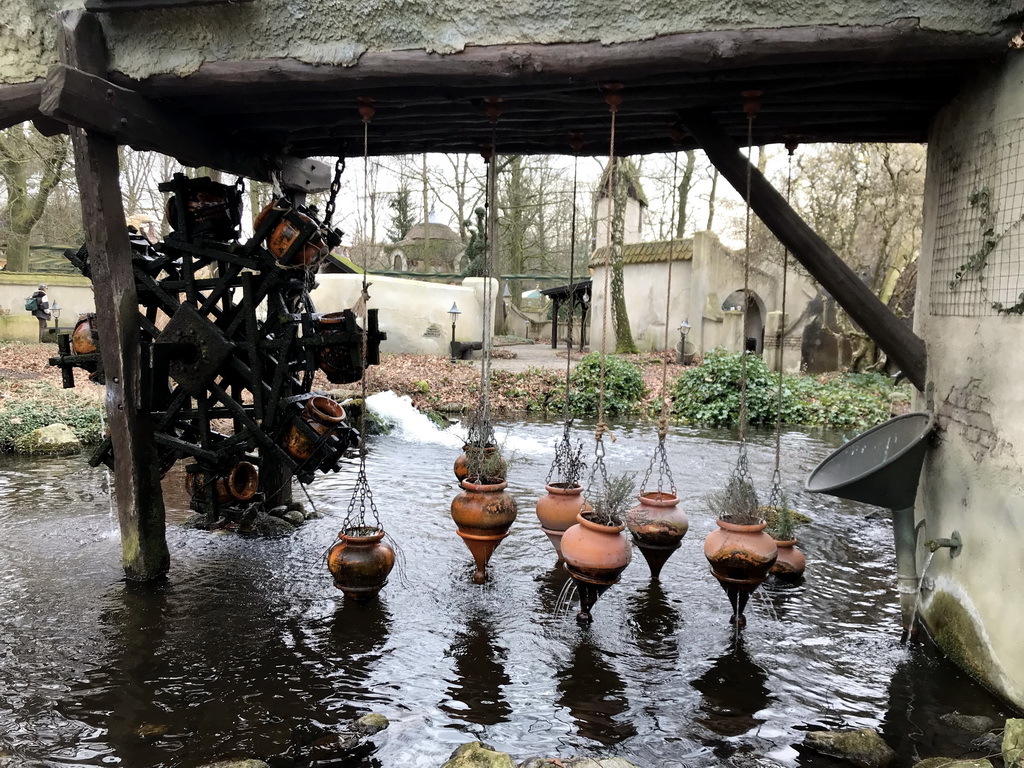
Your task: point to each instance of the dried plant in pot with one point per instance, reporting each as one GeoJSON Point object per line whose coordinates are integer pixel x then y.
{"type": "Point", "coordinates": [558, 508]}
{"type": "Point", "coordinates": [595, 550]}
{"type": "Point", "coordinates": [657, 526]}
{"type": "Point", "coordinates": [740, 552]}
{"type": "Point", "coordinates": [782, 521]}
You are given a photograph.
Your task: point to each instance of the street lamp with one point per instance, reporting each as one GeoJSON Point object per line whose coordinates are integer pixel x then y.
{"type": "Point", "coordinates": [55, 311]}
{"type": "Point", "coordinates": [454, 312]}
{"type": "Point", "coordinates": [684, 328]}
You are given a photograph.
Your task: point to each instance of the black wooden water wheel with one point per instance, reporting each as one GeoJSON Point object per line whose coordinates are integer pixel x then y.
{"type": "Point", "coordinates": [230, 341]}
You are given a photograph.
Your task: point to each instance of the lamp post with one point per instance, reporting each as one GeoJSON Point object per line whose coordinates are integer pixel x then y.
{"type": "Point", "coordinates": [55, 311]}
{"type": "Point", "coordinates": [454, 312]}
{"type": "Point", "coordinates": [684, 329]}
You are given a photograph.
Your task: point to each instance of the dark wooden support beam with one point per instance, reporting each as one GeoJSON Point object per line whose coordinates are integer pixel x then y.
{"type": "Point", "coordinates": [877, 320]}
{"type": "Point", "coordinates": [19, 102]}
{"type": "Point", "coordinates": [140, 506]}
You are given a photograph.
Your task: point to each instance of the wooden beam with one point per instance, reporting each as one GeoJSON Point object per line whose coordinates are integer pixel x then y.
{"type": "Point", "coordinates": [877, 320]}
{"type": "Point", "coordinates": [19, 102]}
{"type": "Point", "coordinates": [140, 506]}
{"type": "Point", "coordinates": [89, 101]}
{"type": "Point", "coordinates": [110, 6]}
{"type": "Point", "coordinates": [499, 66]}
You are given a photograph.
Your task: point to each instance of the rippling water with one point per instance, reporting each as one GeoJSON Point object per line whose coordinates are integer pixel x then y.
{"type": "Point", "coordinates": [247, 646]}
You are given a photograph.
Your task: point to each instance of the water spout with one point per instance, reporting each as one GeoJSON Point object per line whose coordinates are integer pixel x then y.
{"type": "Point", "coordinates": [954, 543]}
{"type": "Point", "coordinates": [907, 581]}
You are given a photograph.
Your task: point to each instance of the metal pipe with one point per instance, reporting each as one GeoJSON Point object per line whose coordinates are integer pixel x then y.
{"type": "Point", "coordinates": [907, 581]}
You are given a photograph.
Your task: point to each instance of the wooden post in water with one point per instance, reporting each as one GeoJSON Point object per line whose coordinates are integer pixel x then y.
{"type": "Point", "coordinates": [140, 506]}
{"type": "Point", "coordinates": [878, 321]}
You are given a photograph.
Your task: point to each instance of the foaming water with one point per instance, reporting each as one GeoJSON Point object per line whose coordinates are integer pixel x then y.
{"type": "Point", "coordinates": [247, 647]}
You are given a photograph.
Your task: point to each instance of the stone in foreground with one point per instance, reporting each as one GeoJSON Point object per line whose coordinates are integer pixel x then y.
{"type": "Point", "coordinates": [52, 440]}
{"type": "Point", "coordinates": [952, 762]}
{"type": "Point", "coordinates": [1013, 743]}
{"type": "Point", "coordinates": [477, 755]}
{"type": "Point", "coordinates": [863, 748]}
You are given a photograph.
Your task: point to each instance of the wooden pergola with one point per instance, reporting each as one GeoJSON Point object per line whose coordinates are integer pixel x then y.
{"type": "Point", "coordinates": [264, 118]}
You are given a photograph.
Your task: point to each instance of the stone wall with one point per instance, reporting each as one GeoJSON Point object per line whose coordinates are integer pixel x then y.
{"type": "Point", "coordinates": [413, 313]}
{"type": "Point", "coordinates": [973, 479]}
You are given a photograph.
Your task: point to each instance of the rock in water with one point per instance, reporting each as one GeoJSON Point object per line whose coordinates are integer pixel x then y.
{"type": "Point", "coordinates": [236, 764]}
{"type": "Point", "coordinates": [577, 762]}
{"type": "Point", "coordinates": [371, 724]}
{"type": "Point", "coordinates": [949, 762]}
{"type": "Point", "coordinates": [863, 748]}
{"type": "Point", "coordinates": [1013, 743]}
{"type": "Point", "coordinates": [976, 724]}
{"type": "Point", "coordinates": [54, 440]}
{"type": "Point", "coordinates": [477, 755]}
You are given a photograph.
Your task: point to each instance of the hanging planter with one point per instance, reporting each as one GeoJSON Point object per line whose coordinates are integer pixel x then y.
{"type": "Point", "coordinates": [658, 526]}
{"type": "Point", "coordinates": [360, 562]}
{"type": "Point", "coordinates": [740, 552]}
{"type": "Point", "coordinates": [484, 461]}
{"type": "Point", "coordinates": [791, 563]}
{"type": "Point", "coordinates": [296, 232]}
{"type": "Point", "coordinates": [483, 513]}
{"type": "Point", "coordinates": [595, 550]}
{"type": "Point", "coordinates": [321, 415]}
{"type": "Point", "coordinates": [559, 509]}
{"type": "Point", "coordinates": [84, 338]}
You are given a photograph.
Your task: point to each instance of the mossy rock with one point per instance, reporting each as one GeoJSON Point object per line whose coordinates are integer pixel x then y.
{"type": "Point", "coordinates": [52, 440]}
{"type": "Point", "coordinates": [952, 762]}
{"type": "Point", "coordinates": [864, 747]}
{"type": "Point", "coordinates": [477, 755]}
{"type": "Point", "coordinates": [1013, 743]}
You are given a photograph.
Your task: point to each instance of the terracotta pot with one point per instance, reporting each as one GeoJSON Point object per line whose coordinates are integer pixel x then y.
{"type": "Point", "coordinates": [557, 510]}
{"type": "Point", "coordinates": [85, 339]}
{"type": "Point", "coordinates": [360, 563]}
{"type": "Point", "coordinates": [240, 484]}
{"type": "Point", "coordinates": [791, 563]}
{"type": "Point", "coordinates": [495, 466]}
{"type": "Point", "coordinates": [321, 414]}
{"type": "Point", "coordinates": [483, 513]}
{"type": "Point", "coordinates": [285, 233]}
{"type": "Point", "coordinates": [341, 364]}
{"type": "Point", "coordinates": [658, 526]}
{"type": "Point", "coordinates": [740, 557]}
{"type": "Point", "coordinates": [595, 556]}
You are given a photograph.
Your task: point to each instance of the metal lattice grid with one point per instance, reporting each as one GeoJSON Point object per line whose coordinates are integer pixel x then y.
{"type": "Point", "coordinates": [979, 249]}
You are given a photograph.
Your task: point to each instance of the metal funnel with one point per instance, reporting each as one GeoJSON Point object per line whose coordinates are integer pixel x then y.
{"type": "Point", "coordinates": [881, 466]}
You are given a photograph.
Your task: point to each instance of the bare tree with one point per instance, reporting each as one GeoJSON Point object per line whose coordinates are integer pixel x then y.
{"type": "Point", "coordinates": [31, 166]}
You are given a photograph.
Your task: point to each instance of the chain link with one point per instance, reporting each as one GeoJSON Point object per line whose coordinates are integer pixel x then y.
{"type": "Point", "coordinates": [339, 168]}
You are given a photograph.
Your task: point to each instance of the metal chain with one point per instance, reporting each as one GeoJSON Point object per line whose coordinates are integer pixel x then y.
{"type": "Point", "coordinates": [776, 497]}
{"type": "Point", "coordinates": [339, 169]}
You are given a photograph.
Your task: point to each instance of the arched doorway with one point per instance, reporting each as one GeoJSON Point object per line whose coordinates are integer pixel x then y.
{"type": "Point", "coordinates": [753, 319]}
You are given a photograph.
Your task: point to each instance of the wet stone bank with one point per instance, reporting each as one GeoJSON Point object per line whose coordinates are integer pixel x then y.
{"type": "Point", "coordinates": [247, 649]}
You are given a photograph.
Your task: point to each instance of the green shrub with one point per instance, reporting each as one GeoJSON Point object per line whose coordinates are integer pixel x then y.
{"type": "Point", "coordinates": [624, 385]}
{"type": "Point", "coordinates": [20, 417]}
{"type": "Point", "coordinates": [709, 395]}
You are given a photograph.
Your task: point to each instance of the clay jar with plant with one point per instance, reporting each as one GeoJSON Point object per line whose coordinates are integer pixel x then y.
{"type": "Point", "coordinates": [740, 552]}
{"type": "Point", "coordinates": [657, 526]}
{"type": "Point", "coordinates": [484, 463]}
{"type": "Point", "coordinates": [791, 562]}
{"type": "Point", "coordinates": [595, 550]}
{"type": "Point", "coordinates": [558, 508]}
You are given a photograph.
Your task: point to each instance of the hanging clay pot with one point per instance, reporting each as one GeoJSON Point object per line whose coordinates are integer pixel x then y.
{"type": "Point", "coordinates": [322, 415]}
{"type": "Point", "coordinates": [284, 234]}
{"type": "Point", "coordinates": [240, 484]}
{"type": "Point", "coordinates": [488, 460]}
{"type": "Point", "coordinates": [214, 209]}
{"type": "Point", "coordinates": [557, 510]}
{"type": "Point", "coordinates": [84, 339]}
{"type": "Point", "coordinates": [483, 513]}
{"type": "Point", "coordinates": [791, 563]}
{"type": "Point", "coordinates": [341, 364]}
{"type": "Point", "coordinates": [740, 557]}
{"type": "Point", "coordinates": [658, 526]}
{"type": "Point", "coordinates": [360, 562]}
{"type": "Point", "coordinates": [595, 556]}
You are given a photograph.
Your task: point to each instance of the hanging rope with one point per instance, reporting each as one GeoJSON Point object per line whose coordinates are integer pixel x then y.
{"type": "Point", "coordinates": [362, 496]}
{"type": "Point", "coordinates": [660, 456]}
{"type": "Point", "coordinates": [776, 499]}
{"type": "Point", "coordinates": [568, 463]}
{"type": "Point", "coordinates": [598, 482]}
